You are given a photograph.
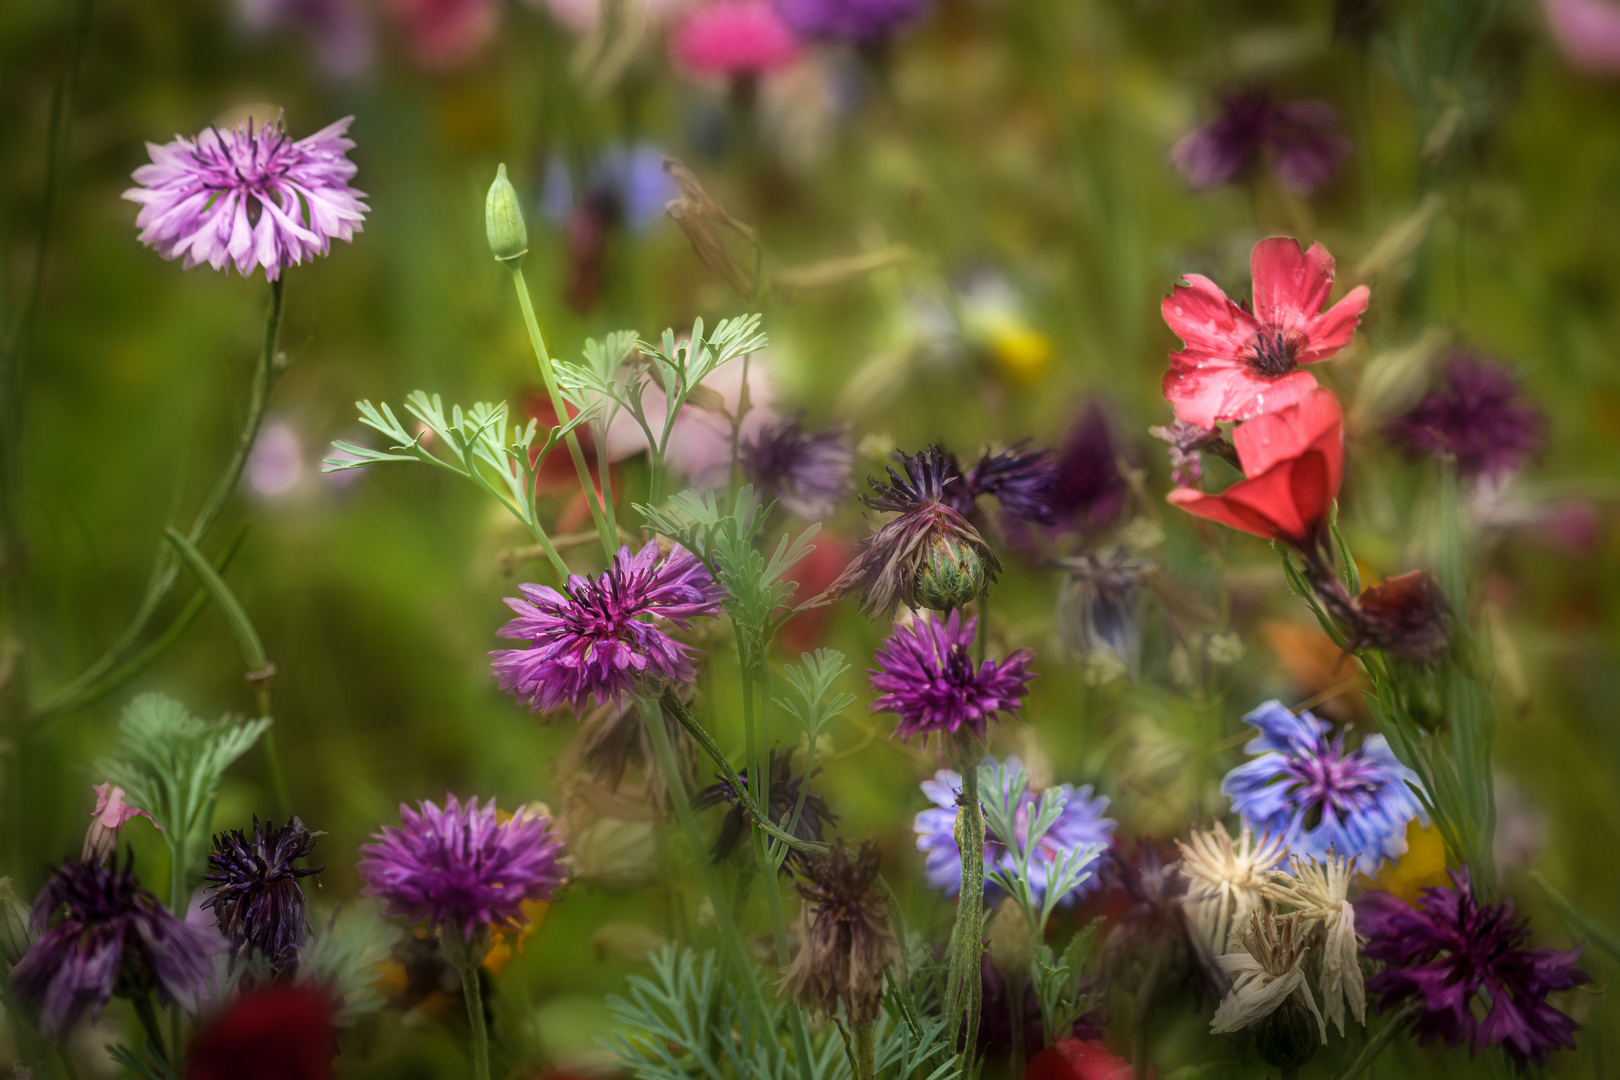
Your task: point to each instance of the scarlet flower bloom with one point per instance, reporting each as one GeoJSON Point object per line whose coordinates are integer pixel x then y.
{"type": "Point", "coordinates": [1243, 361]}
{"type": "Point", "coordinates": [1079, 1059]}
{"type": "Point", "coordinates": [278, 1033]}
{"type": "Point", "coordinates": [1293, 460]}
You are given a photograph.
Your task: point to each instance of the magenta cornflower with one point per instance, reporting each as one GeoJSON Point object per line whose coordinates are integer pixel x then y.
{"type": "Point", "coordinates": [462, 867]}
{"type": "Point", "coordinates": [1301, 136]}
{"type": "Point", "coordinates": [248, 196]}
{"type": "Point", "coordinates": [927, 676]}
{"type": "Point", "coordinates": [740, 39]}
{"type": "Point", "coordinates": [593, 637]}
{"type": "Point", "coordinates": [1478, 414]}
{"type": "Point", "coordinates": [1448, 950]}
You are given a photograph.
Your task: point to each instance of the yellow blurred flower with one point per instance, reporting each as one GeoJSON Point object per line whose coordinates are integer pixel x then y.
{"type": "Point", "coordinates": [1424, 864]}
{"type": "Point", "coordinates": [1022, 355]}
{"type": "Point", "coordinates": [508, 941]}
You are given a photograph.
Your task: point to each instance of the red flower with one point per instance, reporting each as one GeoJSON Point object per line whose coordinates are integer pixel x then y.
{"type": "Point", "coordinates": [1241, 362]}
{"type": "Point", "coordinates": [1293, 460]}
{"type": "Point", "coordinates": [1076, 1059]}
{"type": "Point", "coordinates": [279, 1033]}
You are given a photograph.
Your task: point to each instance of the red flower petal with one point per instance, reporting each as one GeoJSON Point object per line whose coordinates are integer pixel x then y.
{"type": "Point", "coordinates": [279, 1033]}
{"type": "Point", "coordinates": [1077, 1059]}
{"type": "Point", "coordinates": [1335, 328]}
{"type": "Point", "coordinates": [1290, 285]}
{"type": "Point", "coordinates": [1202, 316]}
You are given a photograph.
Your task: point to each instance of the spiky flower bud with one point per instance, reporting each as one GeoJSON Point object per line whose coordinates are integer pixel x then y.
{"type": "Point", "coordinates": [14, 935]}
{"type": "Point", "coordinates": [1287, 1038]}
{"type": "Point", "coordinates": [503, 219]}
{"type": "Point", "coordinates": [952, 574]}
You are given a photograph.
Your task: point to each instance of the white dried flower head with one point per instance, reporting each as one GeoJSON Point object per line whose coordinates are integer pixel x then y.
{"type": "Point", "coordinates": [1225, 881]}
{"type": "Point", "coordinates": [1102, 668]}
{"type": "Point", "coordinates": [1319, 893]}
{"type": "Point", "coordinates": [1267, 971]}
{"type": "Point", "coordinates": [1181, 667]}
{"type": "Point", "coordinates": [1224, 649]}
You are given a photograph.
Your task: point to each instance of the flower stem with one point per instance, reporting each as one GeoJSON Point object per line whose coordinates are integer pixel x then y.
{"type": "Point", "coordinates": [278, 775]}
{"type": "Point", "coordinates": [473, 991]}
{"type": "Point", "coordinates": [166, 568]}
{"type": "Point", "coordinates": [1376, 1044]}
{"type": "Point", "coordinates": [863, 1058]}
{"type": "Point", "coordinates": [609, 535]}
{"type": "Point", "coordinates": [154, 1035]}
{"type": "Point", "coordinates": [964, 992]}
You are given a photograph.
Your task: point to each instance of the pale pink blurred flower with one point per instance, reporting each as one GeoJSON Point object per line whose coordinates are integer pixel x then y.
{"type": "Point", "coordinates": [700, 442]}
{"type": "Point", "coordinates": [108, 819]}
{"type": "Point", "coordinates": [735, 38]}
{"type": "Point", "coordinates": [337, 30]}
{"type": "Point", "coordinates": [1588, 32]}
{"type": "Point", "coordinates": [276, 463]}
{"type": "Point", "coordinates": [445, 34]}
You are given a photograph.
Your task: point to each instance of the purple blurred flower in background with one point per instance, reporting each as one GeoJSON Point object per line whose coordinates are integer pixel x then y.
{"type": "Point", "coordinates": [926, 675]}
{"type": "Point", "coordinates": [1081, 824]}
{"type": "Point", "coordinates": [248, 197]}
{"type": "Point", "coordinates": [590, 638]}
{"type": "Point", "coordinates": [1088, 492]}
{"type": "Point", "coordinates": [857, 21]}
{"type": "Point", "coordinates": [1021, 480]}
{"type": "Point", "coordinates": [101, 932]}
{"type": "Point", "coordinates": [462, 867]}
{"type": "Point", "coordinates": [276, 463]}
{"type": "Point", "coordinates": [808, 472]}
{"type": "Point", "coordinates": [1477, 414]}
{"type": "Point", "coordinates": [1301, 136]}
{"type": "Point", "coordinates": [1588, 33]}
{"type": "Point", "coordinates": [444, 34]}
{"type": "Point", "coordinates": [338, 30]}
{"type": "Point", "coordinates": [1318, 796]}
{"type": "Point", "coordinates": [626, 184]}
{"type": "Point", "coordinates": [255, 893]}
{"type": "Point", "coordinates": [1448, 950]}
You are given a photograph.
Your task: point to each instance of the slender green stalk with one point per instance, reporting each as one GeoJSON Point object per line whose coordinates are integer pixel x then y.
{"type": "Point", "coordinates": [863, 1059]}
{"type": "Point", "coordinates": [166, 567]}
{"type": "Point", "coordinates": [965, 990]}
{"type": "Point", "coordinates": [543, 358]}
{"type": "Point", "coordinates": [1376, 1044]}
{"type": "Point", "coordinates": [154, 1034]}
{"type": "Point", "coordinates": [474, 993]}
{"type": "Point", "coordinates": [272, 756]}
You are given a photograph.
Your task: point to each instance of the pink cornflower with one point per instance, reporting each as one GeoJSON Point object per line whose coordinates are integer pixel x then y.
{"type": "Point", "coordinates": [249, 197]}
{"type": "Point", "coordinates": [1242, 361]}
{"type": "Point", "coordinates": [735, 38]}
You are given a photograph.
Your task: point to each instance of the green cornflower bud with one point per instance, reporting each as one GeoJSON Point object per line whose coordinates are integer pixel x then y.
{"type": "Point", "coordinates": [1287, 1038]}
{"type": "Point", "coordinates": [952, 575]}
{"type": "Point", "coordinates": [503, 219]}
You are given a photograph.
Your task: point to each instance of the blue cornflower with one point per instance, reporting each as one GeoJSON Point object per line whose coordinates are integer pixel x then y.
{"type": "Point", "coordinates": [1317, 795]}
{"type": "Point", "coordinates": [1080, 825]}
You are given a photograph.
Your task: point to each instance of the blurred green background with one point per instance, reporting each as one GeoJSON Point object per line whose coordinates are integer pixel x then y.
{"type": "Point", "coordinates": [1020, 143]}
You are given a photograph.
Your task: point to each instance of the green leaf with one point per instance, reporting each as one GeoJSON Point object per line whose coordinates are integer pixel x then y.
{"type": "Point", "coordinates": [236, 616]}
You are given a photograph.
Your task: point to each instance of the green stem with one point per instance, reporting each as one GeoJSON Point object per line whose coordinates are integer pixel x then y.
{"type": "Point", "coordinates": [609, 537]}
{"type": "Point", "coordinates": [863, 1057]}
{"type": "Point", "coordinates": [272, 756]}
{"type": "Point", "coordinates": [965, 991]}
{"type": "Point", "coordinates": [1376, 1044]}
{"type": "Point", "coordinates": [154, 1034]}
{"type": "Point", "coordinates": [473, 991]}
{"type": "Point", "coordinates": [166, 567]}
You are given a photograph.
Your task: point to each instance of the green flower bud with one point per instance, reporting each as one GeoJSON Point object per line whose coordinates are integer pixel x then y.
{"type": "Point", "coordinates": [952, 576]}
{"type": "Point", "coordinates": [1288, 1037]}
{"type": "Point", "coordinates": [15, 938]}
{"type": "Point", "coordinates": [503, 219]}
{"type": "Point", "coordinates": [1012, 940]}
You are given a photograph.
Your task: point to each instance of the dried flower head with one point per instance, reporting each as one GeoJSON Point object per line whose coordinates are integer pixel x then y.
{"type": "Point", "coordinates": [1451, 950]}
{"type": "Point", "coordinates": [1476, 414]}
{"type": "Point", "coordinates": [1408, 615]}
{"type": "Point", "coordinates": [1099, 607]}
{"type": "Point", "coordinates": [785, 789]}
{"type": "Point", "coordinates": [806, 471]}
{"type": "Point", "coordinates": [846, 939]}
{"type": "Point", "coordinates": [591, 638]}
{"type": "Point", "coordinates": [1225, 880]}
{"type": "Point", "coordinates": [1270, 991]}
{"type": "Point", "coordinates": [462, 868]}
{"type": "Point", "coordinates": [248, 196]}
{"type": "Point", "coordinates": [101, 934]}
{"type": "Point", "coordinates": [926, 530]}
{"type": "Point", "coordinates": [1317, 795]}
{"type": "Point", "coordinates": [1318, 892]}
{"type": "Point", "coordinates": [927, 676]}
{"type": "Point", "coordinates": [255, 895]}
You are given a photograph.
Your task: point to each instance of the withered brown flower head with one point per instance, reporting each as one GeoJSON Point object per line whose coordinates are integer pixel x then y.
{"type": "Point", "coordinates": [1407, 615]}
{"type": "Point", "coordinates": [846, 939]}
{"type": "Point", "coordinates": [785, 787]}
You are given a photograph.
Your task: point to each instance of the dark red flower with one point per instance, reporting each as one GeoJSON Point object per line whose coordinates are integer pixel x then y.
{"type": "Point", "coordinates": [1245, 361]}
{"type": "Point", "coordinates": [1079, 1059]}
{"type": "Point", "coordinates": [1407, 615]}
{"type": "Point", "coordinates": [278, 1033]}
{"type": "Point", "coordinates": [1293, 461]}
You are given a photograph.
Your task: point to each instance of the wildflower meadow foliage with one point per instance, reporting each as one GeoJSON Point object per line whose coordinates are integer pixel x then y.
{"type": "Point", "coordinates": [1038, 540]}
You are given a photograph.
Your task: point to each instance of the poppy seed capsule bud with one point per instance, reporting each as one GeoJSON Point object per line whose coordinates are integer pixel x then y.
{"type": "Point", "coordinates": [503, 219]}
{"type": "Point", "coordinates": [952, 576]}
{"type": "Point", "coordinates": [1287, 1038]}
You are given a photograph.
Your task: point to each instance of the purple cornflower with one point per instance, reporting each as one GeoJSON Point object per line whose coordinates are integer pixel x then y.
{"type": "Point", "coordinates": [857, 21]}
{"type": "Point", "coordinates": [590, 638]}
{"type": "Point", "coordinates": [1021, 480]}
{"type": "Point", "coordinates": [626, 185]}
{"type": "Point", "coordinates": [462, 867]}
{"type": "Point", "coordinates": [249, 197]}
{"type": "Point", "coordinates": [256, 896]}
{"type": "Point", "coordinates": [1080, 825]}
{"type": "Point", "coordinates": [785, 788]}
{"type": "Point", "coordinates": [1451, 947]}
{"type": "Point", "coordinates": [109, 935]}
{"type": "Point", "coordinates": [338, 30]}
{"type": "Point", "coordinates": [1317, 795]}
{"type": "Point", "coordinates": [926, 530]}
{"type": "Point", "coordinates": [1301, 135]}
{"type": "Point", "coordinates": [807, 472]}
{"type": "Point", "coordinates": [927, 677]}
{"type": "Point", "coordinates": [1088, 490]}
{"type": "Point", "coordinates": [1147, 901]}
{"type": "Point", "coordinates": [1477, 414]}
